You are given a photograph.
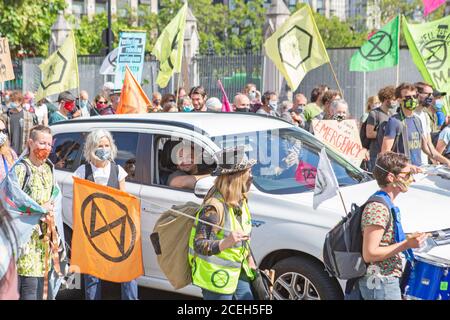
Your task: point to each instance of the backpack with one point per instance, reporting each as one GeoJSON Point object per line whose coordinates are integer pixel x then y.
{"type": "Point", "coordinates": [170, 240]}
{"type": "Point", "coordinates": [26, 180]}
{"type": "Point", "coordinates": [342, 250]}
{"type": "Point", "coordinates": [365, 141]}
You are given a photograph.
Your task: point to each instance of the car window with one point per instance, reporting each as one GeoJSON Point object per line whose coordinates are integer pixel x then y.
{"type": "Point", "coordinates": [127, 144]}
{"type": "Point", "coordinates": [287, 160]}
{"type": "Point", "coordinates": [66, 148]}
{"type": "Point", "coordinates": [165, 167]}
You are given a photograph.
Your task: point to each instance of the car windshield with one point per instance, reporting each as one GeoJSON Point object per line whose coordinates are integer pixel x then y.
{"type": "Point", "coordinates": [287, 160]}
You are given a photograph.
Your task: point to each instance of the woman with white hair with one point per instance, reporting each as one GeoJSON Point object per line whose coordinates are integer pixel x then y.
{"type": "Point", "coordinates": [339, 110]}
{"type": "Point", "coordinates": [99, 152]}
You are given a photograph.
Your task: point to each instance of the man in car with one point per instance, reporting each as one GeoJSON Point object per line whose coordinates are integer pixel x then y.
{"type": "Point", "coordinates": [187, 161]}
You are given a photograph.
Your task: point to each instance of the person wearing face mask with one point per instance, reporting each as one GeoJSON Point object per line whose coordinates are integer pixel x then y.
{"type": "Point", "coordinates": [6, 100]}
{"type": "Point", "coordinates": [102, 107]}
{"type": "Point", "coordinates": [100, 168]}
{"type": "Point", "coordinates": [372, 103]}
{"type": "Point", "coordinates": [241, 103]}
{"type": "Point", "coordinates": [270, 104]}
{"type": "Point", "coordinates": [35, 176]}
{"type": "Point", "coordinates": [67, 108]}
{"type": "Point", "coordinates": [425, 99]}
{"type": "Point", "coordinates": [212, 250]}
{"type": "Point", "coordinates": [298, 107]}
{"type": "Point", "coordinates": [84, 105]}
{"type": "Point", "coordinates": [376, 121]}
{"type": "Point", "coordinates": [253, 95]}
{"type": "Point", "coordinates": [384, 240]}
{"type": "Point", "coordinates": [186, 105]}
{"type": "Point", "coordinates": [404, 133]}
{"type": "Point", "coordinates": [436, 115]}
{"type": "Point", "coordinates": [7, 153]}
{"type": "Point", "coordinates": [339, 110]}
{"type": "Point", "coordinates": [18, 122]}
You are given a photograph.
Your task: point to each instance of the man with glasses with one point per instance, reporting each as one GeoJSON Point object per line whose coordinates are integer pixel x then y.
{"type": "Point", "coordinates": [425, 97]}
{"type": "Point", "coordinates": [404, 133]}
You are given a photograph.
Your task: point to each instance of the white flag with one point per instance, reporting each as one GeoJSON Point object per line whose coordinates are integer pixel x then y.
{"type": "Point", "coordinates": [326, 182]}
{"type": "Point", "coordinates": [109, 64]}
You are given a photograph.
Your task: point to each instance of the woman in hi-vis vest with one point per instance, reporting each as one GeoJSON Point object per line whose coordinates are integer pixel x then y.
{"type": "Point", "coordinates": [219, 256]}
{"type": "Point", "coordinates": [100, 152]}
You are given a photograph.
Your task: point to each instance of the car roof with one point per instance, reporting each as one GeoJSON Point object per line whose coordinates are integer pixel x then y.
{"type": "Point", "coordinates": [211, 123]}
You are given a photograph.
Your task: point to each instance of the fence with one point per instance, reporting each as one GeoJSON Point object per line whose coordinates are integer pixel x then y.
{"type": "Point", "coordinates": [237, 70]}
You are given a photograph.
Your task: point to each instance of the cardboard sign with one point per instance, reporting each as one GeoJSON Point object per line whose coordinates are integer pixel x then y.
{"type": "Point", "coordinates": [342, 136]}
{"type": "Point", "coordinates": [6, 68]}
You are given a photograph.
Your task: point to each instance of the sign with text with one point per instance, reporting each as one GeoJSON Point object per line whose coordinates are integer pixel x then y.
{"type": "Point", "coordinates": [131, 54]}
{"type": "Point", "coordinates": [342, 136]}
{"type": "Point", "coordinates": [6, 68]}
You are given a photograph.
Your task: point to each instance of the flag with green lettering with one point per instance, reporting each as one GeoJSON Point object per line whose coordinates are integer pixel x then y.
{"type": "Point", "coordinates": [428, 45]}
{"type": "Point", "coordinates": [380, 51]}
{"type": "Point", "coordinates": [168, 48]}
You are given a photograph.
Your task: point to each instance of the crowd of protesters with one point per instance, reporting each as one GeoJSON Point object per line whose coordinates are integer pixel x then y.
{"type": "Point", "coordinates": [407, 119]}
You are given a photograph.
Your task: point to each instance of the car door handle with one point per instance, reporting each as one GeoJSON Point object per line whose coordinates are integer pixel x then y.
{"type": "Point", "coordinates": [153, 209]}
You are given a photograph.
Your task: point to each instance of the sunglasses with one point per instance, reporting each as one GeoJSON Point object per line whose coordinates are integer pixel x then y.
{"type": "Point", "coordinates": [410, 97]}
{"type": "Point", "coordinates": [101, 102]}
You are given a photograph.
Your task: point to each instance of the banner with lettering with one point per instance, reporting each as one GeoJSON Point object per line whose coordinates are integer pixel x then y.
{"type": "Point", "coordinates": [6, 68]}
{"type": "Point", "coordinates": [342, 136]}
{"type": "Point", "coordinates": [131, 54]}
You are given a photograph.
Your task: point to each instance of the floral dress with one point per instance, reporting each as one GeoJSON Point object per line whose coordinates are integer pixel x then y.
{"type": "Point", "coordinates": [31, 262]}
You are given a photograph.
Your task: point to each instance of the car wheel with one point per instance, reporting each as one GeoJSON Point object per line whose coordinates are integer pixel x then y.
{"type": "Point", "coordinates": [301, 278]}
{"type": "Point", "coordinates": [73, 288]}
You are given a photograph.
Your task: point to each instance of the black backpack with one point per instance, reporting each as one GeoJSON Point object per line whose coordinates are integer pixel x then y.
{"type": "Point", "coordinates": [342, 250]}
{"type": "Point", "coordinates": [365, 141]}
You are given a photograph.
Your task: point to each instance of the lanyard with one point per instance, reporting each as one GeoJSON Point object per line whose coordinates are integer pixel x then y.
{"type": "Point", "coordinates": [5, 165]}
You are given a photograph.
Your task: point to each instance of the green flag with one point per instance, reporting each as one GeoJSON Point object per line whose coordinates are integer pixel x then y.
{"type": "Point", "coordinates": [296, 47]}
{"type": "Point", "coordinates": [380, 51]}
{"type": "Point", "coordinates": [428, 45]}
{"type": "Point", "coordinates": [169, 47]}
{"type": "Point", "coordinates": [60, 70]}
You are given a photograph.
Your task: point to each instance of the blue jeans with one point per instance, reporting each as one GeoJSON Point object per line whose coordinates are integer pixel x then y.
{"type": "Point", "coordinates": [30, 288]}
{"type": "Point", "coordinates": [380, 288]}
{"type": "Point", "coordinates": [93, 289]}
{"type": "Point", "coordinates": [243, 292]}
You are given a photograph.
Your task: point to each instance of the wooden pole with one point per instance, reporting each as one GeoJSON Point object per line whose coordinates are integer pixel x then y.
{"type": "Point", "coordinates": [336, 79]}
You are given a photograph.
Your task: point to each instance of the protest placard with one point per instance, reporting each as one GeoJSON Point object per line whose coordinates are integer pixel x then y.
{"type": "Point", "coordinates": [6, 68]}
{"type": "Point", "coordinates": [342, 136]}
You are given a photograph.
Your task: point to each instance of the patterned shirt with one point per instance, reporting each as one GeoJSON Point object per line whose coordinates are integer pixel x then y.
{"type": "Point", "coordinates": [31, 263]}
{"type": "Point", "coordinates": [205, 241]}
{"type": "Point", "coordinates": [378, 214]}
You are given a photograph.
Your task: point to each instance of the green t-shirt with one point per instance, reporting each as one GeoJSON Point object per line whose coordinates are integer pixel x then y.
{"type": "Point", "coordinates": [311, 111]}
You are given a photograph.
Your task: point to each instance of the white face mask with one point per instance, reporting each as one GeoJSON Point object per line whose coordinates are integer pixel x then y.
{"type": "Point", "coordinates": [3, 138]}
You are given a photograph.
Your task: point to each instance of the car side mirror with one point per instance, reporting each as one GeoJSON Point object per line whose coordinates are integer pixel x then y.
{"type": "Point", "coordinates": [203, 185]}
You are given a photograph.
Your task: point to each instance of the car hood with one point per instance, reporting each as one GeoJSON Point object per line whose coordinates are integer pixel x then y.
{"type": "Point", "coordinates": [425, 207]}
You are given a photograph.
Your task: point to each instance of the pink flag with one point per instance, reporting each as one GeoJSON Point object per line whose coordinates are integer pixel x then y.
{"type": "Point", "coordinates": [431, 5]}
{"type": "Point", "coordinates": [226, 107]}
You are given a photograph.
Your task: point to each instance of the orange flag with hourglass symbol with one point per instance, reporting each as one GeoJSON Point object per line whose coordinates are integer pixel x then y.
{"type": "Point", "coordinates": [106, 240]}
{"type": "Point", "coordinates": [132, 99]}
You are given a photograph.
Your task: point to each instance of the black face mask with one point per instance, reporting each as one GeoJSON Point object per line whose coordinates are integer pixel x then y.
{"type": "Point", "coordinates": [428, 102]}
{"type": "Point", "coordinates": [242, 109]}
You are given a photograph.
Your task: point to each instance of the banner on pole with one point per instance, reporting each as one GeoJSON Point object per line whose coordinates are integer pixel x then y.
{"type": "Point", "coordinates": [341, 136]}
{"type": "Point", "coordinates": [131, 53]}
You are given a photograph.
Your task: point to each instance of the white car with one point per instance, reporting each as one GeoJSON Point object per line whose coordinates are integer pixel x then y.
{"type": "Point", "coordinates": [288, 235]}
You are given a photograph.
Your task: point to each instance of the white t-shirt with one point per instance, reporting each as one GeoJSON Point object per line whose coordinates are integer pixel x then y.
{"type": "Point", "coordinates": [425, 121]}
{"type": "Point", "coordinates": [41, 112]}
{"type": "Point", "coordinates": [101, 175]}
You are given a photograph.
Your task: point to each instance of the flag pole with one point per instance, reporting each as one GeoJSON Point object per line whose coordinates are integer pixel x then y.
{"type": "Point", "coordinates": [342, 200]}
{"type": "Point", "coordinates": [397, 80]}
{"type": "Point", "coordinates": [336, 79]}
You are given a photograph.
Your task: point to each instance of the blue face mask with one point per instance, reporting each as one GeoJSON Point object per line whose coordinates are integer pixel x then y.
{"type": "Point", "coordinates": [273, 105]}
{"type": "Point", "coordinates": [188, 108]}
{"type": "Point", "coordinates": [13, 105]}
{"type": "Point", "coordinates": [6, 98]}
{"type": "Point", "coordinates": [83, 103]}
{"type": "Point", "coordinates": [103, 153]}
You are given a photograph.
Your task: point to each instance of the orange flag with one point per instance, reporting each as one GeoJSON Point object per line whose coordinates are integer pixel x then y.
{"type": "Point", "coordinates": [106, 240]}
{"type": "Point", "coordinates": [132, 99]}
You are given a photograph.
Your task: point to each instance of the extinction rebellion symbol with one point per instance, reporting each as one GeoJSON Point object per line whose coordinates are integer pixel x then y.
{"type": "Point", "coordinates": [435, 51]}
{"type": "Point", "coordinates": [381, 45]}
{"type": "Point", "coordinates": [220, 278]}
{"type": "Point", "coordinates": [97, 227]}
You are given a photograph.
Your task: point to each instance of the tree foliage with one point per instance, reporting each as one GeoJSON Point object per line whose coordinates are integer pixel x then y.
{"type": "Point", "coordinates": [27, 25]}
